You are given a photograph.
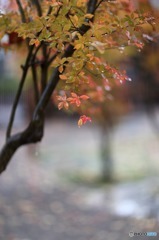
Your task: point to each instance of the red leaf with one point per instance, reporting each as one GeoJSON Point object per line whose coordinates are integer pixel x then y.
{"type": "Point", "coordinates": [83, 119]}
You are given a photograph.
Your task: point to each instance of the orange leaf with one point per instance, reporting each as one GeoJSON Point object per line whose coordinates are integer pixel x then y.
{"type": "Point", "coordinates": [37, 42]}
{"type": "Point", "coordinates": [59, 98]}
{"type": "Point", "coordinates": [79, 45]}
{"type": "Point", "coordinates": [63, 77]}
{"type": "Point", "coordinates": [60, 105]}
{"type": "Point", "coordinates": [84, 97]}
{"type": "Point", "coordinates": [60, 69]}
{"type": "Point", "coordinates": [66, 105]}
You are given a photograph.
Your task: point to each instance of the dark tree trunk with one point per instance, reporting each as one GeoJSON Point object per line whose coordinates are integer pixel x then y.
{"type": "Point", "coordinates": [106, 155]}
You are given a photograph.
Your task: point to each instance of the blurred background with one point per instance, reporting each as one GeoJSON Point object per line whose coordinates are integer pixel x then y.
{"type": "Point", "coordinates": [97, 182]}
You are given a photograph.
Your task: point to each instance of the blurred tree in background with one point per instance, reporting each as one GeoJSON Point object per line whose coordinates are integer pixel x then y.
{"type": "Point", "coordinates": [67, 47]}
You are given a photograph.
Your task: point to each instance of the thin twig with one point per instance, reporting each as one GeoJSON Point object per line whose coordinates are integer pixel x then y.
{"type": "Point", "coordinates": [99, 3]}
{"type": "Point", "coordinates": [58, 10]}
{"type": "Point", "coordinates": [49, 10]}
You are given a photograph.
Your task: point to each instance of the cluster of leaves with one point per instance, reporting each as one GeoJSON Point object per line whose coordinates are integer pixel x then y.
{"type": "Point", "coordinates": [74, 99]}
{"type": "Point", "coordinates": [58, 24]}
{"type": "Point", "coordinates": [66, 44]}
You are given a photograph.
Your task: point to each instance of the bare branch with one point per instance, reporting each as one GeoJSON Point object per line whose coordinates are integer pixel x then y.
{"type": "Point", "coordinates": [44, 68]}
{"type": "Point", "coordinates": [34, 74]}
{"type": "Point", "coordinates": [33, 133]}
{"type": "Point", "coordinates": [38, 7]}
{"type": "Point", "coordinates": [19, 91]}
{"type": "Point", "coordinates": [21, 10]}
{"type": "Point", "coordinates": [35, 84]}
{"type": "Point", "coordinates": [49, 10]}
{"type": "Point", "coordinates": [52, 58]}
{"type": "Point", "coordinates": [99, 3]}
{"type": "Point", "coordinates": [91, 6]}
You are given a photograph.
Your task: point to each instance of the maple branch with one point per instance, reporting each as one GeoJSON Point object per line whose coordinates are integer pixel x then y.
{"type": "Point", "coordinates": [44, 68]}
{"type": "Point", "coordinates": [34, 132]}
{"type": "Point", "coordinates": [91, 6]}
{"type": "Point", "coordinates": [99, 3]}
{"type": "Point", "coordinates": [35, 84]}
{"type": "Point", "coordinates": [19, 91]}
{"type": "Point", "coordinates": [21, 10]}
{"type": "Point", "coordinates": [33, 64]}
{"type": "Point", "coordinates": [58, 10]}
{"type": "Point", "coordinates": [34, 73]}
{"type": "Point", "coordinates": [25, 70]}
{"type": "Point", "coordinates": [52, 58]}
{"type": "Point", "coordinates": [104, 1]}
{"type": "Point", "coordinates": [38, 7]}
{"type": "Point", "coordinates": [49, 10]}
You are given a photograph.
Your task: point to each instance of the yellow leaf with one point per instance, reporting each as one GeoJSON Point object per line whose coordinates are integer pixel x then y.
{"type": "Point", "coordinates": [79, 46]}
{"type": "Point", "coordinates": [81, 3]}
{"type": "Point", "coordinates": [88, 15]}
{"type": "Point", "coordinates": [80, 122]}
{"type": "Point", "coordinates": [74, 19]}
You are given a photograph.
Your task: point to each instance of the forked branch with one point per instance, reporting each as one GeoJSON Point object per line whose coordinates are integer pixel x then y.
{"type": "Point", "coordinates": [34, 132]}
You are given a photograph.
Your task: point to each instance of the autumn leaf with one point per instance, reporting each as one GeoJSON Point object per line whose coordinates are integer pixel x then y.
{"type": "Point", "coordinates": [34, 41]}
{"type": "Point", "coordinates": [75, 99]}
{"type": "Point", "coordinates": [83, 119]}
{"type": "Point", "coordinates": [63, 77]}
{"type": "Point", "coordinates": [88, 15]}
{"type": "Point", "coordinates": [81, 3]}
{"type": "Point", "coordinates": [60, 105]}
{"type": "Point", "coordinates": [63, 102]}
{"type": "Point", "coordinates": [61, 69]}
{"type": "Point", "coordinates": [138, 44]}
{"type": "Point", "coordinates": [84, 97]}
{"type": "Point", "coordinates": [79, 46]}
